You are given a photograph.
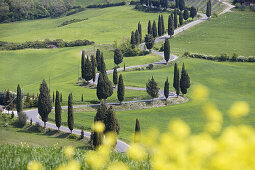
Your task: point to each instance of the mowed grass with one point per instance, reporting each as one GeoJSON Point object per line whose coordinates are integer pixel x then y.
{"type": "Point", "coordinates": [29, 67]}
{"type": "Point", "coordinates": [227, 82]}
{"type": "Point", "coordinates": [229, 33]}
{"type": "Point", "coordinates": [104, 26]}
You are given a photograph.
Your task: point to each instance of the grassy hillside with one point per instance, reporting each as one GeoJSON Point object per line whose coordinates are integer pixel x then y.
{"type": "Point", "coordinates": [93, 2]}
{"type": "Point", "coordinates": [230, 33]}
{"type": "Point", "coordinates": [228, 82]}
{"type": "Point", "coordinates": [103, 26]}
{"type": "Point", "coordinates": [217, 6]}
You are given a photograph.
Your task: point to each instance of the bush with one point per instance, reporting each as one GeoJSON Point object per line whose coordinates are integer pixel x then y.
{"type": "Point", "coordinates": [251, 59]}
{"type": "Point", "coordinates": [234, 57]}
{"type": "Point", "coordinates": [106, 5]}
{"type": "Point", "coordinates": [150, 67]}
{"type": "Point", "coordinates": [22, 117]}
{"type": "Point", "coordinates": [186, 54]}
{"type": "Point", "coordinates": [223, 57]}
{"type": "Point", "coordinates": [241, 58]}
{"type": "Point", "coordinates": [39, 128]}
{"type": "Point", "coordinates": [210, 58]}
{"type": "Point", "coordinates": [82, 134]}
{"type": "Point", "coordinates": [134, 3]}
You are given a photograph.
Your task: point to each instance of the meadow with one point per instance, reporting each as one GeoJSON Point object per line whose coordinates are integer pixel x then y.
{"type": "Point", "coordinates": [229, 33]}
{"type": "Point", "coordinates": [217, 6]}
{"type": "Point", "coordinates": [228, 82]}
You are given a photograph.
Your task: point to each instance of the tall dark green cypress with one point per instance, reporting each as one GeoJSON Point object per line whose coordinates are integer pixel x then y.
{"type": "Point", "coordinates": [159, 26]}
{"type": "Point", "coordinates": [111, 122]}
{"type": "Point", "coordinates": [70, 119]}
{"type": "Point", "coordinates": [154, 29]}
{"type": "Point", "coordinates": [8, 101]}
{"type": "Point", "coordinates": [102, 64]}
{"type": "Point", "coordinates": [181, 18]}
{"type": "Point", "coordinates": [208, 9]}
{"type": "Point", "coordinates": [132, 41]}
{"type": "Point", "coordinates": [186, 14]}
{"type": "Point", "coordinates": [193, 12]}
{"type": "Point", "coordinates": [152, 88]}
{"type": "Point", "coordinates": [166, 89]}
{"type": "Point", "coordinates": [184, 81]}
{"type": "Point", "coordinates": [162, 25]}
{"type": "Point", "coordinates": [93, 63]}
{"type": "Point", "coordinates": [57, 111]}
{"type": "Point", "coordinates": [175, 76]}
{"type": "Point", "coordinates": [140, 32]}
{"type": "Point", "coordinates": [149, 28]}
{"type": "Point", "coordinates": [61, 98]}
{"type": "Point", "coordinates": [149, 41]}
{"type": "Point", "coordinates": [121, 89]}
{"type": "Point", "coordinates": [100, 87]}
{"type": "Point", "coordinates": [108, 84]}
{"type": "Point", "coordinates": [170, 26]}
{"type": "Point", "coordinates": [137, 131]}
{"type": "Point", "coordinates": [118, 56]}
{"type": "Point", "coordinates": [115, 76]}
{"type": "Point", "coordinates": [19, 105]}
{"type": "Point", "coordinates": [177, 83]}
{"type": "Point", "coordinates": [98, 59]}
{"type": "Point", "coordinates": [82, 98]}
{"type": "Point", "coordinates": [83, 64]}
{"type": "Point", "coordinates": [176, 3]}
{"type": "Point", "coordinates": [181, 5]}
{"type": "Point", "coordinates": [175, 19]}
{"type": "Point", "coordinates": [167, 50]}
{"type": "Point", "coordinates": [137, 37]}
{"type": "Point", "coordinates": [53, 97]}
{"type": "Point", "coordinates": [44, 102]}
{"type": "Point", "coordinates": [88, 70]}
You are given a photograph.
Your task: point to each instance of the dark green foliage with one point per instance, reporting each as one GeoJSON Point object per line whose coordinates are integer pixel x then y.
{"type": "Point", "coordinates": [83, 64]}
{"type": "Point", "coordinates": [19, 104]}
{"type": "Point", "coordinates": [8, 101]}
{"type": "Point", "coordinates": [193, 12]}
{"type": "Point", "coordinates": [70, 118]}
{"type": "Point", "coordinates": [107, 5]}
{"type": "Point", "coordinates": [93, 63]}
{"type": "Point", "coordinates": [61, 98]}
{"type": "Point", "coordinates": [102, 64]}
{"type": "Point", "coordinates": [115, 76]}
{"type": "Point", "coordinates": [186, 14]}
{"type": "Point", "coordinates": [162, 25]}
{"type": "Point", "coordinates": [209, 9]}
{"type": "Point", "coordinates": [166, 88]}
{"type": "Point", "coordinates": [53, 97]}
{"type": "Point", "coordinates": [98, 60]}
{"type": "Point", "coordinates": [132, 41]}
{"type": "Point", "coordinates": [167, 50]}
{"type": "Point", "coordinates": [104, 87]}
{"type": "Point", "coordinates": [44, 102]}
{"type": "Point", "coordinates": [22, 117]}
{"type": "Point", "coordinates": [149, 28]}
{"type": "Point", "coordinates": [124, 67]}
{"type": "Point", "coordinates": [177, 90]}
{"type": "Point", "coordinates": [152, 88]}
{"type": "Point", "coordinates": [176, 3]}
{"type": "Point", "coordinates": [181, 4]}
{"type": "Point", "coordinates": [82, 134]}
{"type": "Point", "coordinates": [184, 81]}
{"type": "Point", "coordinates": [71, 21]}
{"type": "Point", "coordinates": [118, 56]}
{"type": "Point", "coordinates": [175, 19]}
{"type": "Point", "coordinates": [149, 41]}
{"type": "Point", "coordinates": [111, 122]}
{"type": "Point", "coordinates": [154, 29]}
{"type": "Point", "coordinates": [88, 70]}
{"type": "Point", "coordinates": [82, 98]}
{"type": "Point", "coordinates": [137, 37]}
{"type": "Point", "coordinates": [57, 110]}
{"type": "Point", "coordinates": [121, 89]}
{"type": "Point", "coordinates": [176, 77]}
{"type": "Point", "coordinates": [140, 32]}
{"type": "Point", "coordinates": [159, 26]}
{"type": "Point", "coordinates": [170, 25]}
{"type": "Point", "coordinates": [181, 18]}
{"type": "Point", "coordinates": [137, 131]}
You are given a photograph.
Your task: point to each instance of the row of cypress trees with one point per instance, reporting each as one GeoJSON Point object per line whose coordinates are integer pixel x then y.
{"type": "Point", "coordinates": [88, 67]}
{"type": "Point", "coordinates": [136, 37]}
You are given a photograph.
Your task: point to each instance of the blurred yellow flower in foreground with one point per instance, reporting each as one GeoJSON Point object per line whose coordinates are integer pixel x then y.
{"type": "Point", "coordinates": [200, 92]}
{"type": "Point", "coordinates": [72, 165]}
{"type": "Point", "coordinates": [137, 152]}
{"type": "Point", "coordinates": [110, 138]}
{"type": "Point", "coordinates": [69, 151]}
{"type": "Point", "coordinates": [239, 109]}
{"type": "Point", "coordinates": [118, 166]}
{"type": "Point", "coordinates": [179, 128]}
{"type": "Point", "coordinates": [34, 165]}
{"type": "Point", "coordinates": [96, 160]}
{"type": "Point", "coordinates": [99, 127]}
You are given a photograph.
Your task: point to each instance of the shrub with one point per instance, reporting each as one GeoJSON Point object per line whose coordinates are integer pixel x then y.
{"type": "Point", "coordinates": [107, 5]}
{"type": "Point", "coordinates": [150, 67]}
{"type": "Point", "coordinates": [210, 57]}
{"type": "Point", "coordinates": [241, 58]}
{"type": "Point", "coordinates": [234, 57]}
{"type": "Point", "coordinates": [82, 134]}
{"type": "Point", "coordinates": [251, 59]}
{"type": "Point", "coordinates": [22, 117]}
{"type": "Point", "coordinates": [39, 128]}
{"type": "Point", "coordinates": [186, 54]}
{"type": "Point", "coordinates": [223, 57]}
{"type": "Point", "coordinates": [12, 116]}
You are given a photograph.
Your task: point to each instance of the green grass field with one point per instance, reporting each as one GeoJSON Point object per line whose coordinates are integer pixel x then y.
{"type": "Point", "coordinates": [217, 6]}
{"type": "Point", "coordinates": [228, 82]}
{"type": "Point", "coordinates": [230, 33]}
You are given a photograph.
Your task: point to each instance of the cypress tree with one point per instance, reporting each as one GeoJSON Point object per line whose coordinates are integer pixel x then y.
{"type": "Point", "coordinates": [102, 64]}
{"type": "Point", "coordinates": [159, 26]}
{"type": "Point", "coordinates": [181, 5]}
{"type": "Point", "coordinates": [152, 88]}
{"type": "Point", "coordinates": [149, 41]}
{"type": "Point", "coordinates": [184, 81]}
{"type": "Point", "coordinates": [61, 97]}
{"type": "Point", "coordinates": [208, 9]}
{"type": "Point", "coordinates": [132, 42]}
{"type": "Point", "coordinates": [140, 32]}
{"type": "Point", "coordinates": [181, 18]}
{"type": "Point", "coordinates": [167, 50]}
{"type": "Point", "coordinates": [53, 97]}
{"type": "Point", "coordinates": [166, 4]}
{"type": "Point", "coordinates": [186, 14]}
{"type": "Point", "coordinates": [44, 102]}
{"type": "Point", "coordinates": [124, 67]}
{"type": "Point", "coordinates": [83, 64]}
{"type": "Point", "coordinates": [137, 131]}
{"type": "Point", "coordinates": [176, 3]}
{"type": "Point", "coordinates": [111, 122]}
{"type": "Point", "coordinates": [100, 87]}
{"type": "Point", "coordinates": [154, 29]}
{"type": "Point", "coordinates": [170, 26]}
{"type": "Point", "coordinates": [19, 105]}
{"type": "Point", "coordinates": [57, 111]}
{"type": "Point", "coordinates": [166, 89]}
{"type": "Point", "coordinates": [162, 25]}
{"type": "Point", "coordinates": [175, 76]}
{"type": "Point", "coordinates": [177, 83]}
{"type": "Point", "coordinates": [137, 37]}
{"type": "Point", "coordinates": [108, 84]}
{"type": "Point", "coordinates": [115, 76]}
{"type": "Point", "coordinates": [82, 97]}
{"type": "Point", "coordinates": [121, 89]}
{"type": "Point", "coordinates": [175, 19]}
{"type": "Point", "coordinates": [149, 28]}
{"type": "Point", "coordinates": [70, 112]}
{"type": "Point", "coordinates": [98, 59]}
{"type": "Point", "coordinates": [118, 56]}
{"type": "Point", "coordinates": [88, 70]}
{"type": "Point", "coordinates": [93, 63]}
{"type": "Point", "coordinates": [193, 12]}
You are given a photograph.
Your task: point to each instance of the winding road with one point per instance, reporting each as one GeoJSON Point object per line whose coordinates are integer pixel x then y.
{"type": "Point", "coordinates": [122, 146]}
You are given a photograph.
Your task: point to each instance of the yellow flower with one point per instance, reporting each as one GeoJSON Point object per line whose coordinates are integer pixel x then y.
{"type": "Point", "coordinates": [68, 151]}
{"type": "Point", "coordinates": [99, 126]}
{"type": "Point", "coordinates": [179, 128]}
{"type": "Point", "coordinates": [200, 92]}
{"type": "Point", "coordinates": [95, 160]}
{"type": "Point", "coordinates": [213, 127]}
{"type": "Point", "coordinates": [72, 165]}
{"type": "Point", "coordinates": [137, 152]}
{"type": "Point", "coordinates": [149, 138]}
{"type": "Point", "coordinates": [110, 139]}
{"type": "Point", "coordinates": [34, 165]}
{"type": "Point", "coordinates": [212, 113]}
{"type": "Point", "coordinates": [118, 166]}
{"type": "Point", "coordinates": [239, 109]}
